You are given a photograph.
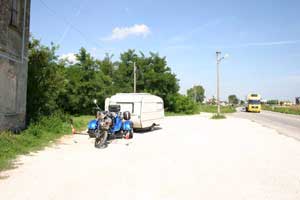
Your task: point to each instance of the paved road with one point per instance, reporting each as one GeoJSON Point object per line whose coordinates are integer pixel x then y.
{"type": "Point", "coordinates": [285, 124]}
{"type": "Point", "coordinates": [208, 159]}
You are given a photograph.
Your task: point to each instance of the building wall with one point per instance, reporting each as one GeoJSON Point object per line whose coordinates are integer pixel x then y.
{"type": "Point", "coordinates": [13, 65]}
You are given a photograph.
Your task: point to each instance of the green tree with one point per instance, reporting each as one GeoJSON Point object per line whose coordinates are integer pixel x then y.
{"type": "Point", "coordinates": [153, 75]}
{"type": "Point", "coordinates": [158, 78]}
{"type": "Point", "coordinates": [273, 102]}
{"type": "Point", "coordinates": [46, 80]}
{"type": "Point", "coordinates": [60, 85]}
{"type": "Point", "coordinates": [232, 99]}
{"type": "Point", "coordinates": [86, 82]}
{"type": "Point", "coordinates": [123, 77]}
{"type": "Point", "coordinates": [183, 104]}
{"type": "Point", "coordinates": [197, 93]}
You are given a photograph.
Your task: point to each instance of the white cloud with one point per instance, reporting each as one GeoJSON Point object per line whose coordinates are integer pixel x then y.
{"type": "Point", "coordinates": [70, 57]}
{"type": "Point", "coordinates": [178, 47]}
{"type": "Point", "coordinates": [295, 78]}
{"type": "Point", "coordinates": [270, 43]}
{"type": "Point", "coordinates": [120, 33]}
{"type": "Point", "coordinates": [264, 44]}
{"type": "Point", "coordinates": [177, 39]}
{"type": "Point", "coordinates": [127, 10]}
{"type": "Point", "coordinates": [187, 35]}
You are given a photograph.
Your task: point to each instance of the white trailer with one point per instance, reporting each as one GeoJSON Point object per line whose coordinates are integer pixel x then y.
{"type": "Point", "coordinates": [146, 110]}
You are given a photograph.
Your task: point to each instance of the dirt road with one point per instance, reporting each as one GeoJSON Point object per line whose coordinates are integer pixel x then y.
{"type": "Point", "coordinates": [190, 158]}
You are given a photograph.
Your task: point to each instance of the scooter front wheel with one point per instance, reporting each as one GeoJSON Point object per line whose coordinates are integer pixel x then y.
{"type": "Point", "coordinates": [100, 141]}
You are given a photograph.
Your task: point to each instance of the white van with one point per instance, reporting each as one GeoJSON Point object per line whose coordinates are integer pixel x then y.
{"type": "Point", "coordinates": [146, 110]}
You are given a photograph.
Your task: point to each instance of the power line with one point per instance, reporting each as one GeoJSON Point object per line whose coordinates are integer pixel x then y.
{"type": "Point", "coordinates": [67, 29]}
{"type": "Point", "coordinates": [69, 24]}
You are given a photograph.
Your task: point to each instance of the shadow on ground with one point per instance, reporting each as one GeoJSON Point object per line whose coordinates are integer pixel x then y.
{"type": "Point", "coordinates": [146, 130]}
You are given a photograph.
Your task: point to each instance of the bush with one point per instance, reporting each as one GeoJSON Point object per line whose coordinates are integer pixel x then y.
{"type": "Point", "coordinates": [273, 102]}
{"type": "Point", "coordinates": [295, 110]}
{"type": "Point", "coordinates": [34, 138]}
{"type": "Point", "coordinates": [218, 116]}
{"type": "Point", "coordinates": [182, 104]}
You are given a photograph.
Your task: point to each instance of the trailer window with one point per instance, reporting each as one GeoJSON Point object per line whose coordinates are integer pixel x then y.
{"type": "Point", "coordinates": [160, 106]}
{"type": "Point", "coordinates": [126, 107]}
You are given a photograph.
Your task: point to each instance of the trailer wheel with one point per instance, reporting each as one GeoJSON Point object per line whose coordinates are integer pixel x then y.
{"type": "Point", "coordinates": [151, 128]}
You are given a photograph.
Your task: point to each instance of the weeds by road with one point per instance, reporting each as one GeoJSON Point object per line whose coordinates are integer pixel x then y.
{"type": "Point", "coordinates": [170, 114]}
{"type": "Point", "coordinates": [218, 116]}
{"type": "Point", "coordinates": [295, 110]}
{"type": "Point", "coordinates": [36, 137]}
{"type": "Point", "coordinates": [80, 122]}
{"type": "Point", "coordinates": [213, 109]}
{"type": "Point", "coordinates": [206, 108]}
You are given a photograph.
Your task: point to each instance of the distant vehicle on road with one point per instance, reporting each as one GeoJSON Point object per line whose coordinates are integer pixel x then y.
{"type": "Point", "coordinates": [147, 110]}
{"type": "Point", "coordinates": [253, 103]}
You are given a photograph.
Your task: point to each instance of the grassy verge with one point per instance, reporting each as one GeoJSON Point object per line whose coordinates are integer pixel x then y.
{"type": "Point", "coordinates": [213, 109]}
{"type": "Point", "coordinates": [170, 114]}
{"type": "Point", "coordinates": [80, 122]}
{"type": "Point", "coordinates": [295, 110]}
{"type": "Point", "coordinates": [217, 116]}
{"type": "Point", "coordinates": [36, 137]}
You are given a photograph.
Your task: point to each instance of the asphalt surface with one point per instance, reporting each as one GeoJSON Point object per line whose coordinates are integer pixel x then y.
{"type": "Point", "coordinates": [285, 124]}
{"type": "Point", "coordinates": [189, 157]}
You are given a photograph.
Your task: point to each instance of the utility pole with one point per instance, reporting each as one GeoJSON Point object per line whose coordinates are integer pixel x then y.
{"type": "Point", "coordinates": [134, 77]}
{"type": "Point", "coordinates": [218, 53]}
{"type": "Point", "coordinates": [219, 59]}
{"type": "Point", "coordinates": [195, 95]}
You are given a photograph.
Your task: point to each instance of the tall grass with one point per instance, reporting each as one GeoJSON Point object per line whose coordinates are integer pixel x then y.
{"type": "Point", "coordinates": [80, 122]}
{"type": "Point", "coordinates": [173, 114]}
{"type": "Point", "coordinates": [38, 135]}
{"type": "Point", "coordinates": [295, 110]}
{"type": "Point", "coordinates": [218, 116]}
{"type": "Point", "coordinates": [214, 108]}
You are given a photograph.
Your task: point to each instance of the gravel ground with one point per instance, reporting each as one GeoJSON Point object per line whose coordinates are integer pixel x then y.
{"type": "Point", "coordinates": [191, 157]}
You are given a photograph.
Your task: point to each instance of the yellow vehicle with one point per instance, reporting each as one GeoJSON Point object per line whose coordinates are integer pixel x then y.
{"type": "Point", "coordinates": [253, 103]}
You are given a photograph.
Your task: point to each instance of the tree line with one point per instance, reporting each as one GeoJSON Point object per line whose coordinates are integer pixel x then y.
{"type": "Point", "coordinates": [56, 85]}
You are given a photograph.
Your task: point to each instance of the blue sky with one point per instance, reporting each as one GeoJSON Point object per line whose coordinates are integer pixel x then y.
{"type": "Point", "coordinates": [261, 37]}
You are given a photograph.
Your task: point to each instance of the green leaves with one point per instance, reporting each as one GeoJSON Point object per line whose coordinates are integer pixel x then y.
{"type": "Point", "coordinates": [55, 84]}
{"type": "Point", "coordinates": [233, 100]}
{"type": "Point", "coordinates": [197, 93]}
{"type": "Point", "coordinates": [182, 104]}
{"type": "Point", "coordinates": [46, 80]}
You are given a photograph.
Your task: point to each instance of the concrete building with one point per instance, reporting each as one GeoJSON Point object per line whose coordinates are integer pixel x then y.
{"type": "Point", "coordinates": [14, 37]}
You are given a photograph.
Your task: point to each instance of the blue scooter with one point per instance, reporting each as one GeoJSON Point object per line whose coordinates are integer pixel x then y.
{"type": "Point", "coordinates": [110, 125]}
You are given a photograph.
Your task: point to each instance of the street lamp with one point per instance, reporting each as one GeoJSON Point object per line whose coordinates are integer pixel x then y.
{"type": "Point", "coordinates": [219, 59]}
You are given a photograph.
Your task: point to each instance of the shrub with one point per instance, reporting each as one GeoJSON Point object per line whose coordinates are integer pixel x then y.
{"type": "Point", "coordinates": [182, 104]}
{"type": "Point", "coordinates": [214, 108]}
{"type": "Point", "coordinates": [218, 116]}
{"type": "Point", "coordinates": [35, 137]}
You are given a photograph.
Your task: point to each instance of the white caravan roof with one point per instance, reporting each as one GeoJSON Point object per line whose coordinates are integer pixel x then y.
{"type": "Point", "coordinates": [135, 97]}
